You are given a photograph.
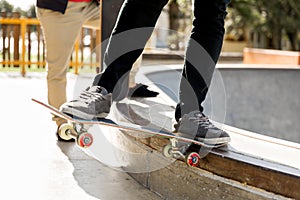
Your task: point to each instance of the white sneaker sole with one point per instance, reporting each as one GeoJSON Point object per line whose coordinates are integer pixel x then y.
{"type": "Point", "coordinates": [214, 141]}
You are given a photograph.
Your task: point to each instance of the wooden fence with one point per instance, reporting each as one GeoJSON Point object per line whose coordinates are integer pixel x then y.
{"type": "Point", "coordinates": [22, 45]}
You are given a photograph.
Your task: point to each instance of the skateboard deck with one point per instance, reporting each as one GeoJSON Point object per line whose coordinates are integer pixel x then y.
{"type": "Point", "coordinates": [77, 129]}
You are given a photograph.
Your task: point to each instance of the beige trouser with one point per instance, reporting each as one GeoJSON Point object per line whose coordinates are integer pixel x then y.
{"type": "Point", "coordinates": [60, 33]}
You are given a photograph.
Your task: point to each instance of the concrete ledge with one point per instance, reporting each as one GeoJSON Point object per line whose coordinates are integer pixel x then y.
{"type": "Point", "coordinates": [267, 56]}
{"type": "Point", "coordinates": [223, 173]}
{"type": "Point", "coordinates": [177, 181]}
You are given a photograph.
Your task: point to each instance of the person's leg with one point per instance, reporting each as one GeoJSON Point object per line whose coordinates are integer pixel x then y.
{"type": "Point", "coordinates": [202, 54]}
{"type": "Point", "coordinates": [60, 33]}
{"type": "Point", "coordinates": [133, 72]}
{"type": "Point", "coordinates": [138, 89]}
{"type": "Point", "coordinates": [91, 16]}
{"type": "Point", "coordinates": [94, 23]}
{"type": "Point", "coordinates": [133, 28]}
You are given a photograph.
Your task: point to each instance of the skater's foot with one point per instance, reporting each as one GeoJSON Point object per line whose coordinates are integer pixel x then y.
{"type": "Point", "coordinates": [94, 102]}
{"type": "Point", "coordinates": [197, 125]}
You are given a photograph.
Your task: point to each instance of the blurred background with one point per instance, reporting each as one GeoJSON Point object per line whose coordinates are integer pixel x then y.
{"type": "Point", "coordinates": [250, 23]}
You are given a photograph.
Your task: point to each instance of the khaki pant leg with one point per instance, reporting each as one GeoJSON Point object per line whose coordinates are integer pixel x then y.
{"type": "Point", "coordinates": [92, 17]}
{"type": "Point", "coordinates": [60, 33]}
{"type": "Point", "coordinates": [133, 72]}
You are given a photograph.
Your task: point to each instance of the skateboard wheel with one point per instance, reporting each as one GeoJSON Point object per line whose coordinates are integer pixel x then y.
{"type": "Point", "coordinates": [85, 140]}
{"type": "Point", "coordinates": [167, 151]}
{"type": "Point", "coordinates": [64, 130]}
{"type": "Point", "coordinates": [193, 159]}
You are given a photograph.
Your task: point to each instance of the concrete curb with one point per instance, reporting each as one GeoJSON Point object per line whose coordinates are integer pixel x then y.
{"type": "Point", "coordinates": [175, 180]}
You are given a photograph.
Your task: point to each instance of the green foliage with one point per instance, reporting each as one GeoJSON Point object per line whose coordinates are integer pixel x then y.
{"type": "Point", "coordinates": [8, 8]}
{"type": "Point", "coordinates": [275, 19]}
{"type": "Point", "coordinates": [31, 12]}
{"type": "Point", "coordinates": [5, 6]}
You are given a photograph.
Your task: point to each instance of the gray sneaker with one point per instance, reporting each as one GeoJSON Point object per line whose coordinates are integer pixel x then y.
{"type": "Point", "coordinates": [94, 102]}
{"type": "Point", "coordinates": [196, 125]}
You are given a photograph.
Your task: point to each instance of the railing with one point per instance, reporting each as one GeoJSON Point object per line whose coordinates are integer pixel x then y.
{"type": "Point", "coordinates": [17, 45]}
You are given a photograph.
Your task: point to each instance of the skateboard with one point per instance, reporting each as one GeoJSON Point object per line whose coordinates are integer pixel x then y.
{"type": "Point", "coordinates": [77, 129]}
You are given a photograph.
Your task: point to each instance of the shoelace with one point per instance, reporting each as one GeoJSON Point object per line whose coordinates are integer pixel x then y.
{"type": "Point", "coordinates": [202, 120]}
{"type": "Point", "coordinates": [92, 96]}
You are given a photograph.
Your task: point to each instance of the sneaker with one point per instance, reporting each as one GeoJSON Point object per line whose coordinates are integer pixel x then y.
{"type": "Point", "coordinates": [196, 125]}
{"type": "Point", "coordinates": [141, 90]}
{"type": "Point", "coordinates": [94, 102]}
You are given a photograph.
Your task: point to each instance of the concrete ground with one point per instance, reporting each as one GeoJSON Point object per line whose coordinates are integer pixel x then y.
{"type": "Point", "coordinates": [35, 166]}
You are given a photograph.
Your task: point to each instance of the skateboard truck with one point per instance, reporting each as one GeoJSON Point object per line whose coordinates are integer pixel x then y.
{"type": "Point", "coordinates": [68, 131]}
{"type": "Point", "coordinates": [176, 150]}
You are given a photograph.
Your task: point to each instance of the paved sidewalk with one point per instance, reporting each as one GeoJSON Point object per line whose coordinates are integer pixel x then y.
{"type": "Point", "coordinates": [35, 166]}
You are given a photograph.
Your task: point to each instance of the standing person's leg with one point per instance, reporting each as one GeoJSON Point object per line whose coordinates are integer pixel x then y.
{"type": "Point", "coordinates": [60, 32]}
{"type": "Point", "coordinates": [133, 72]}
{"type": "Point", "coordinates": [202, 54]}
{"type": "Point", "coordinates": [91, 16]}
{"type": "Point", "coordinates": [138, 89]}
